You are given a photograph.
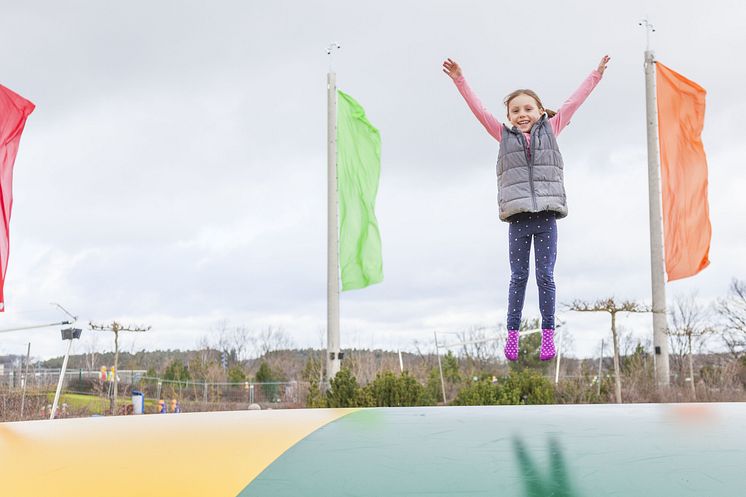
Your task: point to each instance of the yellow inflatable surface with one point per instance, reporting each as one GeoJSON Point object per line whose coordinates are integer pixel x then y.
{"type": "Point", "coordinates": [199, 454]}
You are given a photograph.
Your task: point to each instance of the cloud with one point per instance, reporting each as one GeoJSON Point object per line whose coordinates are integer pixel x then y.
{"type": "Point", "coordinates": [173, 173]}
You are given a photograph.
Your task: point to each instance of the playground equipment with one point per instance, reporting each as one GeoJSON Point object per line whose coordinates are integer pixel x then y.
{"type": "Point", "coordinates": [677, 450]}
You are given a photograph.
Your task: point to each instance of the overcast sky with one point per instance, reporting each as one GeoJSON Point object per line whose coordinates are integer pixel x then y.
{"type": "Point", "coordinates": [173, 173]}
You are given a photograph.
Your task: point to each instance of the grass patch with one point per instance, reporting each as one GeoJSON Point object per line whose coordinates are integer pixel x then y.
{"type": "Point", "coordinates": [95, 404]}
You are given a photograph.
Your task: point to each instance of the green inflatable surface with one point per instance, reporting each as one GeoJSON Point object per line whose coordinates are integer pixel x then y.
{"type": "Point", "coordinates": [528, 451]}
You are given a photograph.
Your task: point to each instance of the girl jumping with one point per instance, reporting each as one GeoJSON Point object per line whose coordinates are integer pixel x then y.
{"type": "Point", "coordinates": [530, 191]}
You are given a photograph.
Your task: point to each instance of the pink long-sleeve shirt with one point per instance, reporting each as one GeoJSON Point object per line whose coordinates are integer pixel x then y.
{"type": "Point", "coordinates": [558, 122]}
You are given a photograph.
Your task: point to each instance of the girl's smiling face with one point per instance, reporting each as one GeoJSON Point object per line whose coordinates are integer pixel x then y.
{"type": "Point", "coordinates": [523, 112]}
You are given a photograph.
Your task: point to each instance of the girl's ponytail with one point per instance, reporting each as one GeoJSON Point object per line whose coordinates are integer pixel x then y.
{"type": "Point", "coordinates": [550, 113]}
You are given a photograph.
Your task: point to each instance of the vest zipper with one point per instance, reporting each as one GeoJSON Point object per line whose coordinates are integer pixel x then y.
{"type": "Point", "coordinates": [530, 161]}
{"type": "Point", "coordinates": [531, 165]}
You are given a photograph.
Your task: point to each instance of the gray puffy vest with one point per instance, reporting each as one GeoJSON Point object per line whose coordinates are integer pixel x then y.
{"type": "Point", "coordinates": [530, 184]}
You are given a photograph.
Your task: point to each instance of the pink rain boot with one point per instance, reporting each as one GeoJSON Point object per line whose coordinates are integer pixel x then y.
{"type": "Point", "coordinates": [511, 346]}
{"type": "Point", "coordinates": [547, 344]}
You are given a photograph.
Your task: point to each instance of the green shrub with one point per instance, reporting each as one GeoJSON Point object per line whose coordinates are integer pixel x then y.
{"type": "Point", "coordinates": [525, 387]}
{"type": "Point", "coordinates": [390, 390]}
{"type": "Point", "coordinates": [478, 393]}
{"type": "Point", "coordinates": [344, 391]}
{"type": "Point", "coordinates": [315, 397]}
{"type": "Point", "coordinates": [267, 377]}
{"type": "Point", "coordinates": [236, 374]}
{"type": "Point", "coordinates": [518, 387]}
{"type": "Point", "coordinates": [177, 371]}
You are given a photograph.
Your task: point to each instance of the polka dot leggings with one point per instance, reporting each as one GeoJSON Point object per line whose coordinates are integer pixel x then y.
{"type": "Point", "coordinates": [542, 228]}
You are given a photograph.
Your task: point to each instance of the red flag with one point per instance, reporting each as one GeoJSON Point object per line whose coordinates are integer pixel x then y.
{"type": "Point", "coordinates": [14, 109]}
{"type": "Point", "coordinates": [686, 217]}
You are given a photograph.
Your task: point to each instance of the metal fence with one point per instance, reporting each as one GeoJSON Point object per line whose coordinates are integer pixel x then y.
{"type": "Point", "coordinates": [194, 395]}
{"type": "Point", "coordinates": [43, 378]}
{"type": "Point", "coordinates": [292, 393]}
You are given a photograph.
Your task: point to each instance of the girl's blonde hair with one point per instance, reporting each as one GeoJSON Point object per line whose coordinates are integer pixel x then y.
{"type": "Point", "coordinates": [532, 94]}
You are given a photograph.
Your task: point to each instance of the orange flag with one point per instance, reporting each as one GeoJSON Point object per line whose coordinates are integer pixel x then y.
{"type": "Point", "coordinates": [686, 217]}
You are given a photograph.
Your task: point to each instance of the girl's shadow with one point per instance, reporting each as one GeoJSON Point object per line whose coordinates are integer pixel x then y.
{"type": "Point", "coordinates": [537, 484]}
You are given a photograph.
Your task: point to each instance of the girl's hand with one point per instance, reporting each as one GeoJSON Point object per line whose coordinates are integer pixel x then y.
{"type": "Point", "coordinates": [602, 65]}
{"type": "Point", "coordinates": [452, 69]}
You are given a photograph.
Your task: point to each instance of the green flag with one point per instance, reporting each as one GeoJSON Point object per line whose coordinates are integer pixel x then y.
{"type": "Point", "coordinates": [358, 170]}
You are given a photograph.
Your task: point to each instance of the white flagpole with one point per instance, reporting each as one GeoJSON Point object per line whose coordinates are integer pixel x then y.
{"type": "Point", "coordinates": [657, 271]}
{"type": "Point", "coordinates": [333, 358]}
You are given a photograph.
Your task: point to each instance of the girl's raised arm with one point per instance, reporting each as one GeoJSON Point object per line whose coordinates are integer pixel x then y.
{"type": "Point", "coordinates": [565, 113]}
{"type": "Point", "coordinates": [490, 123]}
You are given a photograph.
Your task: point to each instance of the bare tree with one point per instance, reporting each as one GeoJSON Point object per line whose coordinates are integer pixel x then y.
{"type": "Point", "coordinates": [91, 351]}
{"type": "Point", "coordinates": [241, 339]}
{"type": "Point", "coordinates": [205, 351]}
{"type": "Point", "coordinates": [677, 353]}
{"type": "Point", "coordinates": [364, 363]}
{"type": "Point", "coordinates": [224, 343]}
{"type": "Point", "coordinates": [627, 341]}
{"type": "Point", "coordinates": [115, 328]}
{"type": "Point", "coordinates": [688, 326]}
{"type": "Point", "coordinates": [234, 343]}
{"type": "Point", "coordinates": [427, 359]}
{"type": "Point", "coordinates": [205, 357]}
{"type": "Point", "coordinates": [732, 310]}
{"type": "Point", "coordinates": [480, 346]}
{"type": "Point", "coordinates": [269, 339]}
{"type": "Point", "coordinates": [612, 307]}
